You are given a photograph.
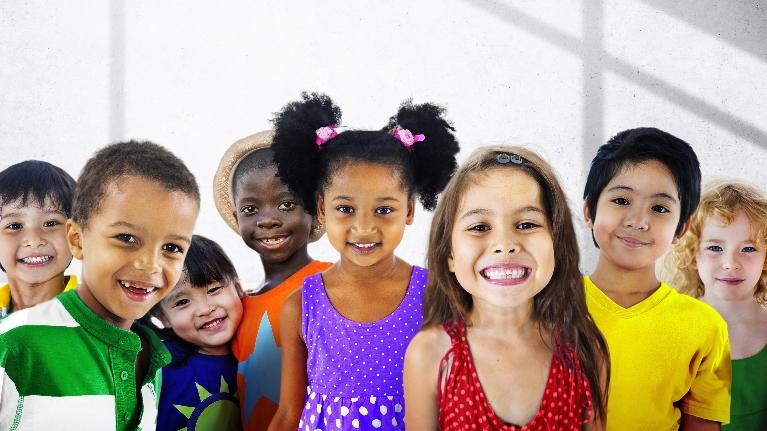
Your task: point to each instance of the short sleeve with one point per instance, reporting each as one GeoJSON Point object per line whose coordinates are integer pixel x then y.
{"type": "Point", "coordinates": [9, 396]}
{"type": "Point", "coordinates": [709, 395]}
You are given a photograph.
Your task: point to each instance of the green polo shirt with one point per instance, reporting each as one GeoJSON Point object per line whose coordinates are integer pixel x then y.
{"type": "Point", "coordinates": [63, 367]}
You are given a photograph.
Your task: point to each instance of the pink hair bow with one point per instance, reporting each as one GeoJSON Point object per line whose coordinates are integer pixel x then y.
{"type": "Point", "coordinates": [324, 134]}
{"type": "Point", "coordinates": [406, 137]}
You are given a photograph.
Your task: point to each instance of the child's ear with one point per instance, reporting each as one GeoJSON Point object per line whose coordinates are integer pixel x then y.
{"type": "Point", "coordinates": [451, 262]}
{"type": "Point", "coordinates": [164, 320]}
{"type": "Point", "coordinates": [681, 234]}
{"type": "Point", "coordinates": [410, 210]}
{"type": "Point", "coordinates": [321, 209]}
{"type": "Point", "coordinates": [587, 214]}
{"type": "Point", "coordinates": [75, 238]}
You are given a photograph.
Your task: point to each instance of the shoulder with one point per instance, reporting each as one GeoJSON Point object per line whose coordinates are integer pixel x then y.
{"type": "Point", "coordinates": [48, 314]}
{"type": "Point", "coordinates": [428, 347]}
{"type": "Point", "coordinates": [692, 310]}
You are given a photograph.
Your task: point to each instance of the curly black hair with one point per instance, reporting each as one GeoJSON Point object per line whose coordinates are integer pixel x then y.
{"type": "Point", "coordinates": [142, 159]}
{"type": "Point", "coordinates": [425, 168]}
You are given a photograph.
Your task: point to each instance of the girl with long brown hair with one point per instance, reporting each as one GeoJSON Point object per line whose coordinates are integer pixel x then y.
{"type": "Point", "coordinates": [507, 342]}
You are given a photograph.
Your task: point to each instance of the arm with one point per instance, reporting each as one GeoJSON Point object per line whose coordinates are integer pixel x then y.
{"type": "Point", "coordinates": [692, 423]}
{"type": "Point", "coordinates": [294, 380]}
{"type": "Point", "coordinates": [597, 423]}
{"type": "Point", "coordinates": [421, 378]}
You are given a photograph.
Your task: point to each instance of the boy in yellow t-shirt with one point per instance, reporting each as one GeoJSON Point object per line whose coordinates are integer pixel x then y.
{"type": "Point", "coordinates": [35, 202]}
{"type": "Point", "coordinates": [669, 353]}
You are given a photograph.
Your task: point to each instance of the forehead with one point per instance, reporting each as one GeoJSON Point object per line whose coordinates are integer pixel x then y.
{"type": "Point", "coordinates": [29, 205]}
{"type": "Point", "coordinates": [739, 228]}
{"type": "Point", "coordinates": [139, 198]}
{"type": "Point", "coordinates": [501, 189]}
{"type": "Point", "coordinates": [364, 178]}
{"type": "Point", "coordinates": [259, 180]}
{"type": "Point", "coordinates": [648, 177]}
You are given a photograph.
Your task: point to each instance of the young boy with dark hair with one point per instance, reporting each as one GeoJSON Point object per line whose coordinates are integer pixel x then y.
{"type": "Point", "coordinates": [78, 361]}
{"type": "Point", "coordinates": [670, 355]}
{"type": "Point", "coordinates": [35, 202]}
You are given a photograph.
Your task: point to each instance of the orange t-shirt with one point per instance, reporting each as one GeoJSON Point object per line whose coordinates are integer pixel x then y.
{"type": "Point", "coordinates": [257, 349]}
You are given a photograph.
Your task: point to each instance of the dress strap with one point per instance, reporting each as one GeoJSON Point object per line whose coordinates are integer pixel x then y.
{"type": "Point", "coordinates": [457, 332]}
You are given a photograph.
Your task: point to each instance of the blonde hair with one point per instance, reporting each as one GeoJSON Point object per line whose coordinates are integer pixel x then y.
{"type": "Point", "coordinates": [722, 198]}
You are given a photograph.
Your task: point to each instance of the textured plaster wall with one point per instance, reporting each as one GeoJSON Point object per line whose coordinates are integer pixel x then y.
{"type": "Point", "coordinates": [561, 77]}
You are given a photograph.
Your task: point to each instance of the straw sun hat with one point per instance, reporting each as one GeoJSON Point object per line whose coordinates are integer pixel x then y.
{"type": "Point", "coordinates": [222, 181]}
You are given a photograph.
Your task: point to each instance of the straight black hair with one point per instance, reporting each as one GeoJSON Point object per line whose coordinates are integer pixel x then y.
{"type": "Point", "coordinates": [635, 146]}
{"type": "Point", "coordinates": [34, 181]}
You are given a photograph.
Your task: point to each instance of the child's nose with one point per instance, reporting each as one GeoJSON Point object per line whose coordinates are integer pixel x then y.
{"type": "Point", "coordinates": [268, 221]}
{"type": "Point", "coordinates": [148, 261]}
{"type": "Point", "coordinates": [636, 218]}
{"type": "Point", "coordinates": [33, 239]}
{"type": "Point", "coordinates": [364, 223]}
{"type": "Point", "coordinates": [731, 262]}
{"type": "Point", "coordinates": [505, 242]}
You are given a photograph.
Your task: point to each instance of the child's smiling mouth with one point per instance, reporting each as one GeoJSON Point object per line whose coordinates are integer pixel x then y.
{"type": "Point", "coordinates": [36, 260]}
{"type": "Point", "coordinates": [364, 248]}
{"type": "Point", "coordinates": [137, 291]}
{"type": "Point", "coordinates": [273, 242]}
{"type": "Point", "coordinates": [506, 274]}
{"type": "Point", "coordinates": [213, 325]}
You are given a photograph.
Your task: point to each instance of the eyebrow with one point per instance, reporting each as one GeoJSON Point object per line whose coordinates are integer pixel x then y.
{"type": "Point", "coordinates": [132, 226]}
{"type": "Point", "coordinates": [381, 199]}
{"type": "Point", "coordinates": [19, 214]}
{"type": "Point", "coordinates": [484, 211]}
{"type": "Point", "coordinates": [629, 189]}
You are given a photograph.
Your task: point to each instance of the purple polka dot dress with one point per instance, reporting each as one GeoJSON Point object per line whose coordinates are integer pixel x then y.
{"type": "Point", "coordinates": [354, 368]}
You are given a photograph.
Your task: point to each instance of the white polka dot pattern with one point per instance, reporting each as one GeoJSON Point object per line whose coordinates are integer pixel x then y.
{"type": "Point", "coordinates": [354, 368]}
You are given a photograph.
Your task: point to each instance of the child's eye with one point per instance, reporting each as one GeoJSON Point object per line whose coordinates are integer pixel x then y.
{"type": "Point", "coordinates": [714, 248]}
{"type": "Point", "coordinates": [479, 228]}
{"type": "Point", "coordinates": [125, 237]}
{"type": "Point", "coordinates": [172, 248]}
{"type": "Point", "coordinates": [621, 201]}
{"type": "Point", "coordinates": [345, 209]}
{"type": "Point", "coordinates": [287, 206]}
{"type": "Point", "coordinates": [660, 209]}
{"type": "Point", "coordinates": [51, 223]}
{"type": "Point", "coordinates": [384, 210]}
{"type": "Point", "coordinates": [249, 210]}
{"type": "Point", "coordinates": [527, 225]}
{"type": "Point", "coordinates": [14, 226]}
{"type": "Point", "coordinates": [214, 290]}
{"type": "Point", "coordinates": [749, 249]}
{"type": "Point", "coordinates": [181, 302]}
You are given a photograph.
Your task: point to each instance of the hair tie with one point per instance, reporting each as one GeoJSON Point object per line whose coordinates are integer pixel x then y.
{"type": "Point", "coordinates": [406, 137]}
{"type": "Point", "coordinates": [504, 158]}
{"type": "Point", "coordinates": [324, 134]}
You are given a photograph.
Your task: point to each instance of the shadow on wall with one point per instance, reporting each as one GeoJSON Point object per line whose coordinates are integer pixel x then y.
{"type": "Point", "coordinates": [748, 34]}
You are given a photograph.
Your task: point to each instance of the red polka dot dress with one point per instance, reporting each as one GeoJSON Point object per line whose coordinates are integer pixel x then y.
{"type": "Point", "coordinates": [566, 402]}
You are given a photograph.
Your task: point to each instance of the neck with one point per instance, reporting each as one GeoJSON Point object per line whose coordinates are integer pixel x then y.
{"type": "Point", "coordinates": [276, 273]}
{"type": "Point", "coordinates": [733, 311]}
{"type": "Point", "coordinates": [611, 278]}
{"type": "Point", "coordinates": [25, 295]}
{"type": "Point", "coordinates": [215, 350]}
{"type": "Point", "coordinates": [383, 270]}
{"type": "Point", "coordinates": [511, 322]}
{"type": "Point", "coordinates": [90, 301]}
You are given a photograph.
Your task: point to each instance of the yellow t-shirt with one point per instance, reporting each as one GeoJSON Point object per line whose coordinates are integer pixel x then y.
{"type": "Point", "coordinates": [668, 354]}
{"type": "Point", "coordinates": [5, 295]}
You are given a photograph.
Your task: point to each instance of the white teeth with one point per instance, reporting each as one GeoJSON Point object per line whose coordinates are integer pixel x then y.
{"type": "Point", "coordinates": [130, 285]}
{"type": "Point", "coordinates": [37, 259]}
{"type": "Point", "coordinates": [365, 245]}
{"type": "Point", "coordinates": [504, 274]}
{"type": "Point", "coordinates": [272, 241]}
{"type": "Point", "coordinates": [212, 323]}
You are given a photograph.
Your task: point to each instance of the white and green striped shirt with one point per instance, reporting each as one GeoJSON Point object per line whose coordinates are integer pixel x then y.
{"type": "Point", "coordinates": [62, 367]}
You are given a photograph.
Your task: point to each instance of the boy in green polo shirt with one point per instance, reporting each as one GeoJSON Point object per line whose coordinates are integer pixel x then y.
{"type": "Point", "coordinates": [78, 362]}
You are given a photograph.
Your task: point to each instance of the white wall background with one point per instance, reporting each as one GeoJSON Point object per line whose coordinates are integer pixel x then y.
{"type": "Point", "coordinates": [560, 76]}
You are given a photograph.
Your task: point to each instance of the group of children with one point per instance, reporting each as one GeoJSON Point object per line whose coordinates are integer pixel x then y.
{"type": "Point", "coordinates": [502, 333]}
